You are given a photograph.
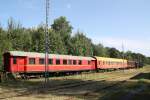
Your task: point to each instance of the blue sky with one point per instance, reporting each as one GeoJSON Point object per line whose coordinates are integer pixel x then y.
{"type": "Point", "coordinates": [110, 22]}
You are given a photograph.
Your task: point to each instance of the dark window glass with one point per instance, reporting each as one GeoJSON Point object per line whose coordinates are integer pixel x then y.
{"type": "Point", "coordinates": [103, 62]}
{"type": "Point", "coordinates": [41, 61]}
{"type": "Point", "coordinates": [57, 61]}
{"type": "Point", "coordinates": [65, 62]}
{"type": "Point", "coordinates": [89, 62]}
{"type": "Point", "coordinates": [31, 60]}
{"type": "Point", "coordinates": [109, 63]}
{"type": "Point", "coordinates": [106, 62]}
{"type": "Point", "coordinates": [14, 60]}
{"type": "Point", "coordinates": [80, 62]}
{"type": "Point", "coordinates": [50, 61]}
{"type": "Point", "coordinates": [70, 62]}
{"type": "Point", "coordinates": [74, 62]}
{"type": "Point", "coordinates": [117, 63]}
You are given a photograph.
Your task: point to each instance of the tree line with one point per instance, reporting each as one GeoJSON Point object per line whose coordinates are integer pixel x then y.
{"type": "Point", "coordinates": [61, 41]}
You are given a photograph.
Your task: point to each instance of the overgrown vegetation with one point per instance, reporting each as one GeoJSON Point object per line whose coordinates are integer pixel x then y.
{"type": "Point", "coordinates": [61, 41]}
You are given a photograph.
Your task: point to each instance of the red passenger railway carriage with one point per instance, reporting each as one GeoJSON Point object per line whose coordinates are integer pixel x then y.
{"type": "Point", "coordinates": [34, 63]}
{"type": "Point", "coordinates": [26, 62]}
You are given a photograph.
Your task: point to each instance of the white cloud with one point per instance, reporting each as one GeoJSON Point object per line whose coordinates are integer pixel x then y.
{"type": "Point", "coordinates": [138, 46]}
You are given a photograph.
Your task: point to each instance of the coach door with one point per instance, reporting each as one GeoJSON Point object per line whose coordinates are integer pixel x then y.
{"type": "Point", "coordinates": [94, 65]}
{"type": "Point", "coordinates": [21, 64]}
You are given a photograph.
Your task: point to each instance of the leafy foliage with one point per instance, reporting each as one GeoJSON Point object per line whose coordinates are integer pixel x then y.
{"type": "Point", "coordinates": [61, 41]}
{"type": "Point", "coordinates": [81, 45]}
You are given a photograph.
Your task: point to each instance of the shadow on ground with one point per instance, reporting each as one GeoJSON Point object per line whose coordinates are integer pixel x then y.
{"type": "Point", "coordinates": [142, 76]}
{"type": "Point", "coordinates": [74, 88]}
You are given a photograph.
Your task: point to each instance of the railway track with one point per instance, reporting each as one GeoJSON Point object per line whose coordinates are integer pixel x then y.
{"type": "Point", "coordinates": [76, 84]}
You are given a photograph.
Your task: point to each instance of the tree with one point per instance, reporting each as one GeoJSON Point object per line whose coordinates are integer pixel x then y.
{"type": "Point", "coordinates": [14, 34]}
{"type": "Point", "coordinates": [63, 28]}
{"type": "Point", "coordinates": [128, 55]}
{"type": "Point", "coordinates": [99, 50]}
{"type": "Point", "coordinates": [60, 39]}
{"type": "Point", "coordinates": [56, 44]}
{"type": "Point", "coordinates": [38, 39]}
{"type": "Point", "coordinates": [27, 40]}
{"type": "Point", "coordinates": [5, 45]}
{"type": "Point", "coordinates": [81, 45]}
{"type": "Point", "coordinates": [113, 53]}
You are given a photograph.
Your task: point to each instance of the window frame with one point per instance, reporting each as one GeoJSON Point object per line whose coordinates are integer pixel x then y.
{"type": "Point", "coordinates": [99, 62]}
{"type": "Point", "coordinates": [43, 61]}
{"type": "Point", "coordinates": [50, 59]}
{"type": "Point", "coordinates": [65, 62]}
{"type": "Point", "coordinates": [103, 62]}
{"type": "Point", "coordinates": [33, 61]}
{"type": "Point", "coordinates": [14, 60]}
{"type": "Point", "coordinates": [74, 62]}
{"type": "Point", "coordinates": [70, 62]}
{"type": "Point", "coordinates": [89, 62]}
{"type": "Point", "coordinates": [57, 61]}
{"type": "Point", "coordinates": [80, 62]}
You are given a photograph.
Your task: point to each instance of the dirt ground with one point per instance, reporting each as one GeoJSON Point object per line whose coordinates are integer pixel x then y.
{"type": "Point", "coordinates": [132, 84]}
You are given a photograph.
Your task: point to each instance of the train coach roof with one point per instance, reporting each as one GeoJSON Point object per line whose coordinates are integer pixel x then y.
{"type": "Point", "coordinates": [42, 55]}
{"type": "Point", "coordinates": [110, 59]}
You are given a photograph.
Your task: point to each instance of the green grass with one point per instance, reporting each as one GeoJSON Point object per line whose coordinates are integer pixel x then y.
{"type": "Point", "coordinates": [133, 90]}
{"type": "Point", "coordinates": [139, 82]}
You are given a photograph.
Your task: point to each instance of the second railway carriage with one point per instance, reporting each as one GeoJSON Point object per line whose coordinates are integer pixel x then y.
{"type": "Point", "coordinates": [110, 63]}
{"type": "Point", "coordinates": [26, 62]}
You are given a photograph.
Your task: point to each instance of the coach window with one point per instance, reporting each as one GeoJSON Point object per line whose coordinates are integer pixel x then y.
{"type": "Point", "coordinates": [89, 62]}
{"type": "Point", "coordinates": [108, 62]}
{"type": "Point", "coordinates": [80, 62]}
{"type": "Point", "coordinates": [50, 61]}
{"type": "Point", "coordinates": [57, 61]}
{"type": "Point", "coordinates": [74, 62]}
{"type": "Point", "coordinates": [31, 60]}
{"type": "Point", "coordinates": [70, 62]}
{"type": "Point", "coordinates": [41, 61]}
{"type": "Point", "coordinates": [65, 62]}
{"type": "Point", "coordinates": [114, 63]}
{"type": "Point", "coordinates": [14, 60]}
